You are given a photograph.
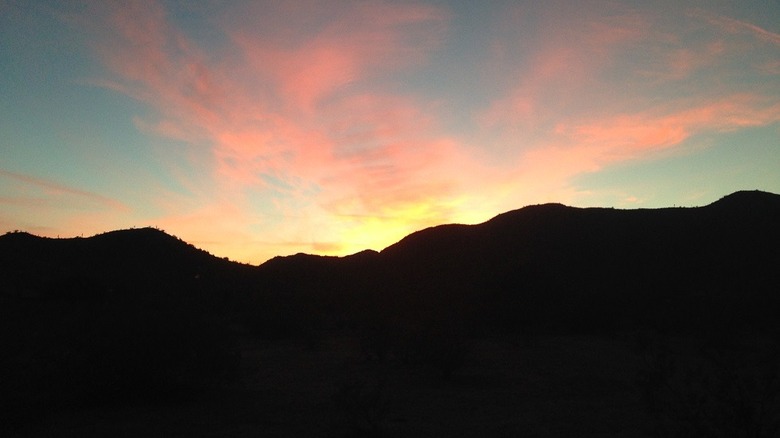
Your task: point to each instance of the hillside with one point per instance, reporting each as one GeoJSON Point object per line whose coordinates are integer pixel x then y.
{"type": "Point", "coordinates": [545, 321]}
{"type": "Point", "coordinates": [547, 265]}
{"type": "Point", "coordinates": [566, 268]}
{"type": "Point", "coordinates": [137, 259]}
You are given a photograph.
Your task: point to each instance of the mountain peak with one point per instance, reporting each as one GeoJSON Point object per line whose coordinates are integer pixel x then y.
{"type": "Point", "coordinates": [748, 197]}
{"type": "Point", "coordinates": [18, 235]}
{"type": "Point", "coordinates": [136, 232]}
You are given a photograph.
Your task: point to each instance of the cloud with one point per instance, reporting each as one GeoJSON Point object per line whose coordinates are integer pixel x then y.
{"type": "Point", "coordinates": [44, 192]}
{"type": "Point", "coordinates": [49, 208]}
{"type": "Point", "coordinates": [612, 84]}
{"type": "Point", "coordinates": [153, 62]}
{"type": "Point", "coordinates": [770, 67]}
{"type": "Point", "coordinates": [304, 113]}
{"type": "Point", "coordinates": [590, 145]}
{"type": "Point", "coordinates": [557, 62]}
{"type": "Point", "coordinates": [735, 26]}
{"type": "Point", "coordinates": [666, 127]}
{"type": "Point", "coordinates": [290, 117]}
{"type": "Point", "coordinates": [336, 47]}
{"type": "Point", "coordinates": [680, 63]}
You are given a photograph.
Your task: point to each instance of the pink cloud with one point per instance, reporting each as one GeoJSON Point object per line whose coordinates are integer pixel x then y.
{"type": "Point", "coordinates": [606, 59]}
{"type": "Point", "coordinates": [51, 192]}
{"type": "Point", "coordinates": [734, 26]}
{"type": "Point", "coordinates": [589, 145]}
{"type": "Point", "coordinates": [545, 159]}
{"type": "Point", "coordinates": [726, 43]}
{"type": "Point", "coordinates": [305, 132]}
{"type": "Point", "coordinates": [48, 207]}
{"type": "Point", "coordinates": [680, 63]}
{"type": "Point", "coordinates": [360, 39]}
{"type": "Point", "coordinates": [153, 62]}
{"type": "Point", "coordinates": [388, 154]}
{"type": "Point", "coordinates": [362, 153]}
{"type": "Point", "coordinates": [359, 146]}
{"type": "Point", "coordinates": [569, 113]}
{"type": "Point", "coordinates": [565, 60]}
{"type": "Point", "coordinates": [770, 67]}
{"type": "Point", "coordinates": [676, 55]}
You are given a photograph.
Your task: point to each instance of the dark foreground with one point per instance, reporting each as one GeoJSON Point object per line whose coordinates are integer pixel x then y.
{"type": "Point", "coordinates": [551, 386]}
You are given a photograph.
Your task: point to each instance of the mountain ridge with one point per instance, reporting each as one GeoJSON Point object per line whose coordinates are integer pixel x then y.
{"type": "Point", "coordinates": [548, 265]}
{"type": "Point", "coordinates": [742, 198]}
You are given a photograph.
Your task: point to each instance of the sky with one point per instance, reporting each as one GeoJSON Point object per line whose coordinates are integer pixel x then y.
{"type": "Point", "coordinates": [253, 129]}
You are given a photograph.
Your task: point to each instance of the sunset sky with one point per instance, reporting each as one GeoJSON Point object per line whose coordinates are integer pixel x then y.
{"type": "Point", "coordinates": [254, 129]}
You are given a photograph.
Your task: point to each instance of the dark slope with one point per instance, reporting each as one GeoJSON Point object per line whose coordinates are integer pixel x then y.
{"type": "Point", "coordinates": [130, 316]}
{"type": "Point", "coordinates": [134, 260]}
{"type": "Point", "coordinates": [539, 232]}
{"type": "Point", "coordinates": [565, 268]}
{"type": "Point", "coordinates": [545, 266]}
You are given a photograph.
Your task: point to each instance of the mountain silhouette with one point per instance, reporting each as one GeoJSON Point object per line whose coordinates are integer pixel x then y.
{"type": "Point", "coordinates": [144, 258]}
{"type": "Point", "coordinates": [549, 266]}
{"type": "Point", "coordinates": [140, 316]}
{"type": "Point", "coordinates": [555, 267]}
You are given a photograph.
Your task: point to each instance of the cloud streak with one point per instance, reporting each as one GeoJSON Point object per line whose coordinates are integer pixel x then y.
{"type": "Point", "coordinates": [47, 192]}
{"type": "Point", "coordinates": [50, 208]}
{"type": "Point", "coordinates": [734, 26]}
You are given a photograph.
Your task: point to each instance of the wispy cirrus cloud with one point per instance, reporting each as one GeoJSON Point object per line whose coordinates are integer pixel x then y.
{"type": "Point", "coordinates": [592, 145]}
{"type": "Point", "coordinates": [45, 192]}
{"type": "Point", "coordinates": [301, 119]}
{"type": "Point", "coordinates": [666, 126]}
{"type": "Point", "coordinates": [305, 117]}
{"type": "Point", "coordinates": [605, 88]}
{"type": "Point", "coordinates": [50, 208]}
{"type": "Point", "coordinates": [334, 45]}
{"type": "Point", "coordinates": [735, 26]}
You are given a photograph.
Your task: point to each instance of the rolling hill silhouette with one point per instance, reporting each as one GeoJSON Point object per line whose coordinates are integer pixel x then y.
{"type": "Point", "coordinates": [549, 266]}
{"type": "Point", "coordinates": [563, 268]}
{"type": "Point", "coordinates": [144, 258]}
{"type": "Point", "coordinates": [139, 316]}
